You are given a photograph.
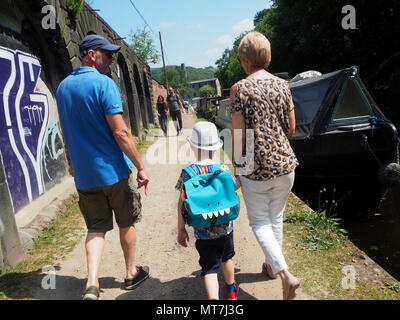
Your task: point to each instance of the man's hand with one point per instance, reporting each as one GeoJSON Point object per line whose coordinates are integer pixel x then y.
{"type": "Point", "coordinates": [183, 237]}
{"type": "Point", "coordinates": [142, 180]}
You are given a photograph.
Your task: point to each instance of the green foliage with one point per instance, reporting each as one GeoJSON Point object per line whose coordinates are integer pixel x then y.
{"type": "Point", "coordinates": [193, 74]}
{"type": "Point", "coordinates": [207, 91]}
{"type": "Point", "coordinates": [308, 35]}
{"type": "Point", "coordinates": [229, 68]}
{"type": "Point", "coordinates": [142, 44]}
{"type": "Point", "coordinates": [322, 231]}
{"type": "Point", "coordinates": [178, 79]}
{"type": "Point", "coordinates": [75, 6]}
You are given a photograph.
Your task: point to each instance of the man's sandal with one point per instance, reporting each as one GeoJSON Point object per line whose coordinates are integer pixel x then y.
{"type": "Point", "coordinates": [91, 293]}
{"type": "Point", "coordinates": [142, 275]}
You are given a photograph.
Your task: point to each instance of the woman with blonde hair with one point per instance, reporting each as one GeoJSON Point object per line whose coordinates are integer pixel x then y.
{"type": "Point", "coordinates": [263, 103]}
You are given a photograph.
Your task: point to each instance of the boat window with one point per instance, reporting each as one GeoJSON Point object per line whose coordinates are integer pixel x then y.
{"type": "Point", "coordinates": [352, 103]}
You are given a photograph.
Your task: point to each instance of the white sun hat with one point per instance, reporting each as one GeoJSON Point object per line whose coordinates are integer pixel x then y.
{"type": "Point", "coordinates": [205, 136]}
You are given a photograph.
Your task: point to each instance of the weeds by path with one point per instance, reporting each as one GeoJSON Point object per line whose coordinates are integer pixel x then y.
{"type": "Point", "coordinates": [326, 262]}
{"type": "Point", "coordinates": [57, 239]}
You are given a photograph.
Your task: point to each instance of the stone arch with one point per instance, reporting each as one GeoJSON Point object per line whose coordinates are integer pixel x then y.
{"type": "Point", "coordinates": [127, 95]}
{"type": "Point", "coordinates": [141, 97]}
{"type": "Point", "coordinates": [150, 111]}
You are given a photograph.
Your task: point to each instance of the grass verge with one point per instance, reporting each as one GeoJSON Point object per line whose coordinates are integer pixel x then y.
{"type": "Point", "coordinates": [328, 265]}
{"type": "Point", "coordinates": [56, 240]}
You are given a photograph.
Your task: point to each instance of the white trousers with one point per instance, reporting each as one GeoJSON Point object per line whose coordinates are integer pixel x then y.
{"type": "Point", "coordinates": [265, 203]}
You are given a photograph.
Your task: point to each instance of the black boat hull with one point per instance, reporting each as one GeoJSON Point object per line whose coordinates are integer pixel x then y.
{"type": "Point", "coordinates": [338, 170]}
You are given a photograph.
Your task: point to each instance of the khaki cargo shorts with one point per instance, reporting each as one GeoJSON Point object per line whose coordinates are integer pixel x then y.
{"type": "Point", "coordinates": [97, 205]}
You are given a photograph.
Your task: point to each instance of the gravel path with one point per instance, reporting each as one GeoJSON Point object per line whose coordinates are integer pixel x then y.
{"type": "Point", "coordinates": [174, 270]}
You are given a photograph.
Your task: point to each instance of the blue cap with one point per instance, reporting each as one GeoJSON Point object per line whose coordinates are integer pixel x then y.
{"type": "Point", "coordinates": [94, 41]}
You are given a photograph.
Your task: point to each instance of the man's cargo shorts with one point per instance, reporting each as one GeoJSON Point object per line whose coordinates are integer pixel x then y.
{"type": "Point", "coordinates": [97, 205]}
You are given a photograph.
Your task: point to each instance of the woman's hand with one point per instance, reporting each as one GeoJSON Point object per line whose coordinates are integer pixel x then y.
{"type": "Point", "coordinates": [238, 184]}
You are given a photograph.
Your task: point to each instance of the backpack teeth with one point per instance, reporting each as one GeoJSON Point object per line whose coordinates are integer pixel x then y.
{"type": "Point", "coordinates": [207, 215]}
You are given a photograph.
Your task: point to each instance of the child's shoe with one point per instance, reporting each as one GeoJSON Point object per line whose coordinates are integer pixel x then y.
{"type": "Point", "coordinates": [232, 291]}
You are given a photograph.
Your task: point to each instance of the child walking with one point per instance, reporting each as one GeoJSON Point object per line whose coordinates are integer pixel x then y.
{"type": "Point", "coordinates": [214, 244]}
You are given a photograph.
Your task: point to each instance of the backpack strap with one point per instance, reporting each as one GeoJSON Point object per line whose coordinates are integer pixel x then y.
{"type": "Point", "coordinates": [190, 171]}
{"type": "Point", "coordinates": [216, 167]}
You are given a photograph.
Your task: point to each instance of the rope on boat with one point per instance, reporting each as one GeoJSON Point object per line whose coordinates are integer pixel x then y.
{"type": "Point", "coordinates": [374, 121]}
{"type": "Point", "coordinates": [370, 150]}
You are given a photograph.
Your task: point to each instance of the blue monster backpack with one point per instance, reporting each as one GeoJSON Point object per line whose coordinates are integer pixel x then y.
{"type": "Point", "coordinates": [211, 198]}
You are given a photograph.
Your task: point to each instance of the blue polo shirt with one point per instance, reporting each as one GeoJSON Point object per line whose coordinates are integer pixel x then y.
{"type": "Point", "coordinates": [84, 98]}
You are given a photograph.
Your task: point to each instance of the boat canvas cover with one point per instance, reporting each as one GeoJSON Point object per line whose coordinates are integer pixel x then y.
{"type": "Point", "coordinates": [313, 98]}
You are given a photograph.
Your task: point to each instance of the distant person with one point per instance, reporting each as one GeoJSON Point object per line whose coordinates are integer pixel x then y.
{"type": "Point", "coordinates": [162, 113]}
{"type": "Point", "coordinates": [263, 102]}
{"type": "Point", "coordinates": [215, 244]}
{"type": "Point", "coordinates": [175, 107]}
{"type": "Point", "coordinates": [102, 150]}
{"type": "Point", "coordinates": [186, 106]}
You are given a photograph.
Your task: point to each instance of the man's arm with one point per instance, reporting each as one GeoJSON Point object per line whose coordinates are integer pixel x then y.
{"type": "Point", "coordinates": [124, 139]}
{"type": "Point", "coordinates": [180, 103]}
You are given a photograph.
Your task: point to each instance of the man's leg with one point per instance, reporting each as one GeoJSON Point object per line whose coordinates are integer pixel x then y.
{"type": "Point", "coordinates": [174, 119]}
{"type": "Point", "coordinates": [127, 238]}
{"type": "Point", "coordinates": [94, 251]}
{"type": "Point", "coordinates": [179, 114]}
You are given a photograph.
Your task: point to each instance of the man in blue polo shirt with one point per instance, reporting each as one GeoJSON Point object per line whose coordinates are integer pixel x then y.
{"type": "Point", "coordinates": [102, 153]}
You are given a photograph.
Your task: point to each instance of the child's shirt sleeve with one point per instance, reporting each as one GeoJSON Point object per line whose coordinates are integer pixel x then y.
{"type": "Point", "coordinates": [182, 178]}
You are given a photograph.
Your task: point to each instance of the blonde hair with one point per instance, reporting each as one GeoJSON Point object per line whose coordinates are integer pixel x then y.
{"type": "Point", "coordinates": [256, 48]}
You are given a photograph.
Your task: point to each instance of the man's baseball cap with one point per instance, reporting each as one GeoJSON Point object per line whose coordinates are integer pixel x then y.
{"type": "Point", "coordinates": [94, 42]}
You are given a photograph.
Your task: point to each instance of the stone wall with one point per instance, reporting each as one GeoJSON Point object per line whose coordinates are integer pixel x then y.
{"type": "Point", "coordinates": [33, 61]}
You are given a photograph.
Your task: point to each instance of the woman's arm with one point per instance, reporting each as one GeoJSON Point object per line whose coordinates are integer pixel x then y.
{"type": "Point", "coordinates": [292, 124]}
{"type": "Point", "coordinates": [238, 130]}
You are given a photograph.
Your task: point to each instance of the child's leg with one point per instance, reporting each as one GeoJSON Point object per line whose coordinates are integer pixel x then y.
{"type": "Point", "coordinates": [228, 269]}
{"type": "Point", "coordinates": [212, 287]}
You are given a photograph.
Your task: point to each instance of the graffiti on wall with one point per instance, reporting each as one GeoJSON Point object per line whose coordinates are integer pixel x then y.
{"type": "Point", "coordinates": [26, 134]}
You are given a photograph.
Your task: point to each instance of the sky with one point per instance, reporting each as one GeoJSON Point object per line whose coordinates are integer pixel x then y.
{"type": "Point", "coordinates": [193, 32]}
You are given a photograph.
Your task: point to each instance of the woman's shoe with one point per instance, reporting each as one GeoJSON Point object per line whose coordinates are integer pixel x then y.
{"type": "Point", "coordinates": [290, 285]}
{"type": "Point", "coordinates": [268, 269]}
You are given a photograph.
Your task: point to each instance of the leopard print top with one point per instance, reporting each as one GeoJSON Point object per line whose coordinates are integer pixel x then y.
{"type": "Point", "coordinates": [273, 155]}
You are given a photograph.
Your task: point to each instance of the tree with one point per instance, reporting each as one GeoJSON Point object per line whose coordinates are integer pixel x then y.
{"type": "Point", "coordinates": [177, 78]}
{"type": "Point", "coordinates": [207, 91]}
{"type": "Point", "coordinates": [308, 35]}
{"type": "Point", "coordinates": [143, 45]}
{"type": "Point", "coordinates": [229, 68]}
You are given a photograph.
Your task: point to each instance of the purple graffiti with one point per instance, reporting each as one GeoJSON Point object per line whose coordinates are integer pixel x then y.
{"type": "Point", "coordinates": [24, 113]}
